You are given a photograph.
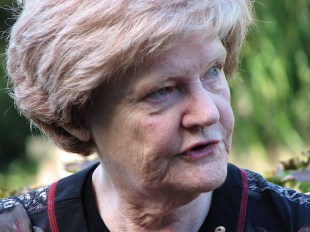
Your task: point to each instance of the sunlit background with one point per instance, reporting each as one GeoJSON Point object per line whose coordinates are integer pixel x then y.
{"type": "Point", "coordinates": [270, 97]}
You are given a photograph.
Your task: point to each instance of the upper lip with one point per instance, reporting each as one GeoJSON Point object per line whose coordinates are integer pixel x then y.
{"type": "Point", "coordinates": [203, 143]}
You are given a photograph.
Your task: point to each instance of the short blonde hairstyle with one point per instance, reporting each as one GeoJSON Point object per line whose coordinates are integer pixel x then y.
{"type": "Point", "coordinates": [61, 51]}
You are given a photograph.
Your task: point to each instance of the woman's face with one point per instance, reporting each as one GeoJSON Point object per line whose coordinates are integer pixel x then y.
{"type": "Point", "coordinates": [169, 127]}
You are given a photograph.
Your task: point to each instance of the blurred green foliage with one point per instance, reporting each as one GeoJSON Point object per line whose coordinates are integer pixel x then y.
{"type": "Point", "coordinates": [270, 95]}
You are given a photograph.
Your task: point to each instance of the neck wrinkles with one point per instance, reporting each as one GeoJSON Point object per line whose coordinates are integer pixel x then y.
{"type": "Point", "coordinates": [122, 210]}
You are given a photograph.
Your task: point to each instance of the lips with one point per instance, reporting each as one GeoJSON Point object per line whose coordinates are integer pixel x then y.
{"type": "Point", "coordinates": [201, 150]}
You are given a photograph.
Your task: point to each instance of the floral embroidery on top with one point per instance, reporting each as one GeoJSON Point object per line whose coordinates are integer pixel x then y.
{"type": "Point", "coordinates": [31, 201]}
{"type": "Point", "coordinates": [258, 184]}
{"type": "Point", "coordinates": [14, 211]}
{"type": "Point", "coordinates": [35, 199]}
{"type": "Point", "coordinates": [7, 205]}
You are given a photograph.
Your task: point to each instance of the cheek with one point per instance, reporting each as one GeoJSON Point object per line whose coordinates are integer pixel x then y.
{"type": "Point", "coordinates": [227, 120]}
{"type": "Point", "coordinates": [227, 115]}
{"type": "Point", "coordinates": [153, 149]}
{"type": "Point", "coordinates": [160, 132]}
{"type": "Point", "coordinates": [154, 128]}
{"type": "Point", "coordinates": [152, 125]}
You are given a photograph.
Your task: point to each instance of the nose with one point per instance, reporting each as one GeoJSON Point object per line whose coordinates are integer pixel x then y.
{"type": "Point", "coordinates": [201, 110]}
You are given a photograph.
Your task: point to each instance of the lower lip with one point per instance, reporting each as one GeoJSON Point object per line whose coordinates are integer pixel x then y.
{"type": "Point", "coordinates": [205, 151]}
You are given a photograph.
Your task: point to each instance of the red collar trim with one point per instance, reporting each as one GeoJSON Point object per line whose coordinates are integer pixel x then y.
{"type": "Point", "coordinates": [51, 208]}
{"type": "Point", "coordinates": [244, 201]}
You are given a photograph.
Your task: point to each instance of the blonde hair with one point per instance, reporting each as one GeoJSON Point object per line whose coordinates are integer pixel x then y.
{"type": "Point", "coordinates": [60, 52]}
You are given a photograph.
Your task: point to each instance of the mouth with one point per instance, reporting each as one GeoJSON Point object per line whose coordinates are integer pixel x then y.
{"type": "Point", "coordinates": [201, 150]}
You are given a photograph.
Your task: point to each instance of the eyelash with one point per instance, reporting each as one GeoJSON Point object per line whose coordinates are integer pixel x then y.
{"type": "Point", "coordinates": [154, 95]}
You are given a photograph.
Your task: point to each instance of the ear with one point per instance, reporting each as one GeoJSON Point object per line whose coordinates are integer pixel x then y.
{"type": "Point", "coordinates": [82, 134]}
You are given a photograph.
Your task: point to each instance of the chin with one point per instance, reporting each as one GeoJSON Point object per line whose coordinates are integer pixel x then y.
{"type": "Point", "coordinates": [206, 181]}
{"type": "Point", "coordinates": [214, 178]}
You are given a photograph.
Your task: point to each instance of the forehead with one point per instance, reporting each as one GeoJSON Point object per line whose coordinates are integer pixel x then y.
{"type": "Point", "coordinates": [195, 53]}
{"type": "Point", "coordinates": [191, 57]}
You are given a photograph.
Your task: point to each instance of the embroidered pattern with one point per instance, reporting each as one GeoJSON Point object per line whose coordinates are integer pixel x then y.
{"type": "Point", "coordinates": [7, 205]}
{"type": "Point", "coordinates": [258, 184]}
{"type": "Point", "coordinates": [35, 199]}
{"type": "Point", "coordinates": [14, 210]}
{"type": "Point", "coordinates": [31, 201]}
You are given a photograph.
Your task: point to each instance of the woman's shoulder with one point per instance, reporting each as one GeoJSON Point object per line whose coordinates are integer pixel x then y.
{"type": "Point", "coordinates": [276, 204]}
{"type": "Point", "coordinates": [262, 205]}
{"type": "Point", "coordinates": [16, 211]}
{"type": "Point", "coordinates": [257, 184]}
{"type": "Point", "coordinates": [34, 210]}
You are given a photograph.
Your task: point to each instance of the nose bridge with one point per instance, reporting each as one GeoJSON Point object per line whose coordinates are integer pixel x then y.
{"type": "Point", "coordinates": [201, 109]}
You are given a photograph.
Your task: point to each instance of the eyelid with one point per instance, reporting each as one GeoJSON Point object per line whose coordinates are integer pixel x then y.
{"type": "Point", "coordinates": [218, 66]}
{"type": "Point", "coordinates": [151, 96]}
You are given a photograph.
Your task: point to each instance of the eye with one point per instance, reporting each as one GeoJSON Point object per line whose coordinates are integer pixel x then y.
{"type": "Point", "coordinates": [160, 94]}
{"type": "Point", "coordinates": [214, 72]}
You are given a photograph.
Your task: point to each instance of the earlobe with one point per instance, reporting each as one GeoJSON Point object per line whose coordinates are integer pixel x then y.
{"type": "Point", "coordinates": [82, 134]}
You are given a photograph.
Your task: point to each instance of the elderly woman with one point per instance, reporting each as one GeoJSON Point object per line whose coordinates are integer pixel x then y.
{"type": "Point", "coordinates": [144, 84]}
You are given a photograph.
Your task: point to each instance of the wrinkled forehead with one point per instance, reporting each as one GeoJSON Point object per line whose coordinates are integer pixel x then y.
{"type": "Point", "coordinates": [207, 46]}
{"type": "Point", "coordinates": [191, 57]}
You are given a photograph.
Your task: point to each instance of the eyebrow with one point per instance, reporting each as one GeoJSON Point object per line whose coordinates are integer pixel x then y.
{"type": "Point", "coordinates": [177, 70]}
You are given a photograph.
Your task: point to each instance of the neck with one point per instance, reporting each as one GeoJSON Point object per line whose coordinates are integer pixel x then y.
{"type": "Point", "coordinates": [123, 210]}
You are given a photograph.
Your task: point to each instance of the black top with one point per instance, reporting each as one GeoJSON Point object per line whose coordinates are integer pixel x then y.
{"type": "Point", "coordinates": [245, 201]}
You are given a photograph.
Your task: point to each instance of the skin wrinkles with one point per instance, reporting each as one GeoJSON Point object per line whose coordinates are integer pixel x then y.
{"type": "Point", "coordinates": [169, 69]}
{"type": "Point", "coordinates": [141, 140]}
